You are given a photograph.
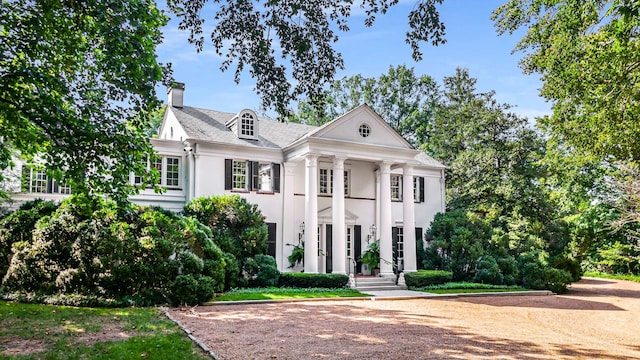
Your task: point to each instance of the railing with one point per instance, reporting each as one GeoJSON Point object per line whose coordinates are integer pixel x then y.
{"type": "Point", "coordinates": [355, 265]}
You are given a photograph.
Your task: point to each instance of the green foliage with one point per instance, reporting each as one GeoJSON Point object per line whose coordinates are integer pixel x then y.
{"type": "Point", "coordinates": [458, 243]}
{"type": "Point", "coordinates": [302, 280]}
{"type": "Point", "coordinates": [586, 54]}
{"type": "Point", "coordinates": [293, 39]}
{"type": "Point", "coordinates": [17, 228]}
{"type": "Point", "coordinates": [107, 251]}
{"type": "Point", "coordinates": [423, 278]}
{"type": "Point", "coordinates": [191, 290]}
{"type": "Point", "coordinates": [78, 84]}
{"type": "Point", "coordinates": [371, 256]}
{"type": "Point", "coordinates": [272, 293]}
{"type": "Point", "coordinates": [469, 286]}
{"type": "Point", "coordinates": [297, 255]}
{"type": "Point", "coordinates": [488, 271]}
{"type": "Point", "coordinates": [237, 226]}
{"type": "Point", "coordinates": [262, 271]}
{"type": "Point", "coordinates": [635, 278]}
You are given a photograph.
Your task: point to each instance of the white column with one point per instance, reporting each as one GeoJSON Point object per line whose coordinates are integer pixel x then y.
{"type": "Point", "coordinates": [289, 226]}
{"type": "Point", "coordinates": [339, 251]}
{"type": "Point", "coordinates": [386, 244]}
{"type": "Point", "coordinates": [408, 220]}
{"type": "Point", "coordinates": [311, 215]}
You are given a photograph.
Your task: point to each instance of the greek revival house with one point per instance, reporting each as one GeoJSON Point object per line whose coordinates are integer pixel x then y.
{"type": "Point", "coordinates": [336, 188]}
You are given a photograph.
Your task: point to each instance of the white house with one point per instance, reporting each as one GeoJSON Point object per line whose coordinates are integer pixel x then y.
{"type": "Point", "coordinates": [391, 191]}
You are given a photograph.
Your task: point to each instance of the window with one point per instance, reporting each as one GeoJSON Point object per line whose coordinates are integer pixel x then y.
{"type": "Point", "coordinates": [247, 127]}
{"type": "Point", "coordinates": [168, 168]}
{"type": "Point", "coordinates": [244, 175]}
{"type": "Point", "coordinates": [349, 243]}
{"type": "Point", "coordinates": [364, 130]}
{"type": "Point", "coordinates": [400, 244]}
{"type": "Point", "coordinates": [36, 181]}
{"type": "Point", "coordinates": [239, 175]}
{"type": "Point", "coordinates": [323, 179]}
{"type": "Point", "coordinates": [396, 187]}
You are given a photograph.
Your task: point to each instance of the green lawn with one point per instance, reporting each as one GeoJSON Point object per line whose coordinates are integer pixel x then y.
{"type": "Point", "coordinates": [466, 287]}
{"type": "Point", "coordinates": [273, 293]}
{"type": "Point", "coordinates": [34, 331]}
{"type": "Point", "coordinates": [635, 278]}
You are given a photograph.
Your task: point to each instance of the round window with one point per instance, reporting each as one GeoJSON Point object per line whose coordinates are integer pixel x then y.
{"type": "Point", "coordinates": [364, 130]}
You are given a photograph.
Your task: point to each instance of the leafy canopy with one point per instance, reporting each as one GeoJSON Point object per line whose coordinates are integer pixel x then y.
{"type": "Point", "coordinates": [293, 39]}
{"type": "Point", "coordinates": [587, 53]}
{"type": "Point", "coordinates": [77, 82]}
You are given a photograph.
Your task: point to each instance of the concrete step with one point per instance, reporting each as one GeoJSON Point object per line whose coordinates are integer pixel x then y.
{"type": "Point", "coordinates": [376, 283]}
{"type": "Point", "coordinates": [366, 288]}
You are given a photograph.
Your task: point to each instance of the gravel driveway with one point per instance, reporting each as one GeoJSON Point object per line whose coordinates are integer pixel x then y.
{"type": "Point", "coordinates": [598, 318]}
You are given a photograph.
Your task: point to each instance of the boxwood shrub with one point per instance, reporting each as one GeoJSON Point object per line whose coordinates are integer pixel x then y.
{"type": "Point", "coordinates": [427, 277]}
{"type": "Point", "coordinates": [303, 280]}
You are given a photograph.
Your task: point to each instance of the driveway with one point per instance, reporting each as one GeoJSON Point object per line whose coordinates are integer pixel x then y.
{"type": "Point", "coordinates": [598, 318]}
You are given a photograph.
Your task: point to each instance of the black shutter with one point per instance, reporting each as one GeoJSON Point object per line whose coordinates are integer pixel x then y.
{"type": "Point", "coordinates": [357, 249]}
{"type": "Point", "coordinates": [271, 239]}
{"type": "Point", "coordinates": [421, 190]}
{"type": "Point", "coordinates": [328, 251]}
{"type": "Point", "coordinates": [228, 174]}
{"type": "Point", "coordinates": [419, 249]}
{"type": "Point", "coordinates": [276, 178]}
{"type": "Point", "coordinates": [254, 168]}
{"type": "Point", "coordinates": [394, 247]}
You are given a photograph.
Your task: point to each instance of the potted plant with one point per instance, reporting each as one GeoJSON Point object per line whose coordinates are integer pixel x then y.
{"type": "Point", "coordinates": [371, 257]}
{"type": "Point", "coordinates": [297, 255]}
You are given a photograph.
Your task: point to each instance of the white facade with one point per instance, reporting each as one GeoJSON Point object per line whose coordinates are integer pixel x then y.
{"type": "Point", "coordinates": [291, 170]}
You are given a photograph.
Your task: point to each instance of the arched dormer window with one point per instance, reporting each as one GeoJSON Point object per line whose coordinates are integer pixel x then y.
{"type": "Point", "coordinates": [244, 125]}
{"type": "Point", "coordinates": [247, 126]}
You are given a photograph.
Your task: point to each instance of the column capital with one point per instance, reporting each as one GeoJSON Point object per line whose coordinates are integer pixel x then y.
{"type": "Point", "coordinates": [385, 167]}
{"type": "Point", "coordinates": [407, 169]}
{"type": "Point", "coordinates": [339, 160]}
{"type": "Point", "coordinates": [311, 160]}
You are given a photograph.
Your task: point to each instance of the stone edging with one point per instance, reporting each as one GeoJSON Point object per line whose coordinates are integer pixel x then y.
{"type": "Point", "coordinates": [202, 345]}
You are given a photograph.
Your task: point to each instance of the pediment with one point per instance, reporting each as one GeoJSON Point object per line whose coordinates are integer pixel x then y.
{"type": "Point", "coordinates": [325, 216]}
{"type": "Point", "coordinates": [362, 125]}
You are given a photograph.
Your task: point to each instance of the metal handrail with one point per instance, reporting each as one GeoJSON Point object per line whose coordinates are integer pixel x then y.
{"type": "Point", "coordinates": [355, 265]}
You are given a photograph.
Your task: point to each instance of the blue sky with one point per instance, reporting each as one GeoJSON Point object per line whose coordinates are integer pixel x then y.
{"type": "Point", "coordinates": [472, 43]}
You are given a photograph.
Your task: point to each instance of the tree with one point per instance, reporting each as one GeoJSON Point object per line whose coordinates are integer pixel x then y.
{"type": "Point", "coordinates": [490, 152]}
{"type": "Point", "coordinates": [275, 39]}
{"type": "Point", "coordinates": [403, 99]}
{"type": "Point", "coordinates": [77, 82]}
{"type": "Point", "coordinates": [587, 55]}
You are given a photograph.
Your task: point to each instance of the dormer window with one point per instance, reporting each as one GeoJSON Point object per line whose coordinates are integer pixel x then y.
{"type": "Point", "coordinates": [244, 125]}
{"type": "Point", "coordinates": [247, 126]}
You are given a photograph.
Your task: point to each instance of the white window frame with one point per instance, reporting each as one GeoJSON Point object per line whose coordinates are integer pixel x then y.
{"type": "Point", "coordinates": [396, 187]}
{"type": "Point", "coordinates": [416, 189]}
{"type": "Point", "coordinates": [236, 175]}
{"type": "Point", "coordinates": [161, 163]}
{"type": "Point", "coordinates": [325, 181]}
{"type": "Point", "coordinates": [247, 125]}
{"type": "Point", "coordinates": [400, 245]}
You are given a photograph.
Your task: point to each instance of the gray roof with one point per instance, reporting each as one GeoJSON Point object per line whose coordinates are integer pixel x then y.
{"type": "Point", "coordinates": [204, 124]}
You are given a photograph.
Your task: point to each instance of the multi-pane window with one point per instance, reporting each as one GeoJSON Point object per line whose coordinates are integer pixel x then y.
{"type": "Point", "coordinates": [36, 181]}
{"type": "Point", "coordinates": [349, 243]}
{"type": "Point", "coordinates": [239, 175]}
{"type": "Point", "coordinates": [396, 187]}
{"type": "Point", "coordinates": [323, 179]}
{"type": "Point", "coordinates": [247, 127]}
{"type": "Point", "coordinates": [416, 189]}
{"type": "Point", "coordinates": [265, 178]}
{"type": "Point", "coordinates": [400, 245]}
{"type": "Point", "coordinates": [172, 175]}
{"type": "Point", "coordinates": [156, 163]}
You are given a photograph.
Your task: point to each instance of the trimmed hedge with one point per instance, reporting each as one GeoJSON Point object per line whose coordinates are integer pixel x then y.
{"type": "Point", "coordinates": [427, 277]}
{"type": "Point", "coordinates": [302, 280]}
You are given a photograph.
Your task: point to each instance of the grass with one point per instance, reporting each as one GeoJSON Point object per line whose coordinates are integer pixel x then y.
{"type": "Point", "coordinates": [273, 293]}
{"type": "Point", "coordinates": [635, 278]}
{"type": "Point", "coordinates": [35, 331]}
{"type": "Point", "coordinates": [466, 287]}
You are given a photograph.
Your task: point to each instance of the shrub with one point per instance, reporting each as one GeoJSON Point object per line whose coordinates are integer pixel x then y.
{"type": "Point", "coordinates": [302, 280]}
{"type": "Point", "coordinates": [191, 290]}
{"type": "Point", "coordinates": [423, 278]}
{"type": "Point", "coordinates": [262, 271]}
{"type": "Point", "coordinates": [488, 271]}
{"type": "Point", "coordinates": [237, 226]}
{"type": "Point", "coordinates": [18, 227]}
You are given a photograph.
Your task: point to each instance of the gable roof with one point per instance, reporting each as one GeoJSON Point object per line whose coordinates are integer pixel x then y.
{"type": "Point", "coordinates": [209, 125]}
